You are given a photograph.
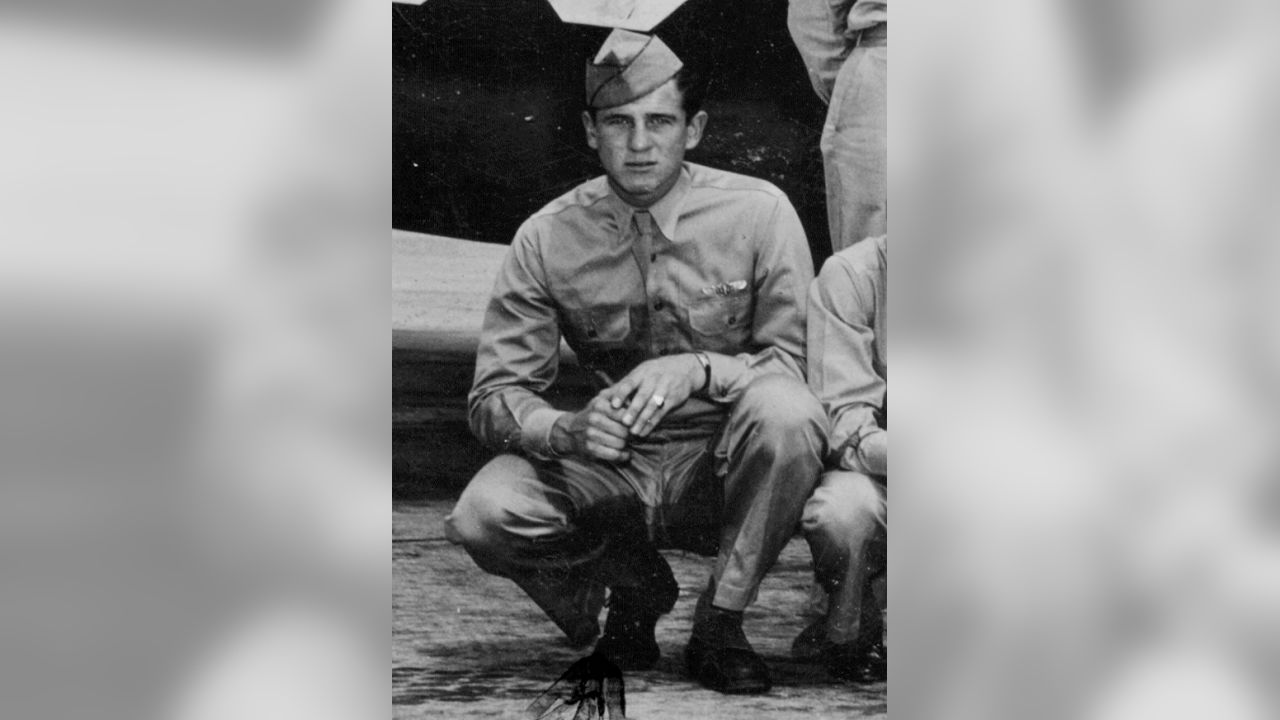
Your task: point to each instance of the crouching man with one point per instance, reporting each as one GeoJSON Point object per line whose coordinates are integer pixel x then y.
{"type": "Point", "coordinates": [685, 288]}
{"type": "Point", "coordinates": [845, 519]}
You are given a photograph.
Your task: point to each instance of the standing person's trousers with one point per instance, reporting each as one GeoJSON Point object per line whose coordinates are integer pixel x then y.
{"type": "Point", "coordinates": [849, 71]}
{"type": "Point", "coordinates": [561, 529]}
{"type": "Point", "coordinates": [854, 154]}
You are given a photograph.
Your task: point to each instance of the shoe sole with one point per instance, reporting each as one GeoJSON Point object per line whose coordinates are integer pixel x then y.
{"type": "Point", "coordinates": [756, 687]}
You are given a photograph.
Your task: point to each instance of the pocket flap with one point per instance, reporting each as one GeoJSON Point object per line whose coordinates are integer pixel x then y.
{"type": "Point", "coordinates": [610, 324]}
{"type": "Point", "coordinates": [720, 314]}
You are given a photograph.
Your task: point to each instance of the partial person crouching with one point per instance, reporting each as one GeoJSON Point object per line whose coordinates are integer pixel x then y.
{"type": "Point", "coordinates": [846, 518]}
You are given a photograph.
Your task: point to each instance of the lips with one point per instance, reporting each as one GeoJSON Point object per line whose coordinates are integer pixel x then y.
{"type": "Point", "coordinates": [641, 166]}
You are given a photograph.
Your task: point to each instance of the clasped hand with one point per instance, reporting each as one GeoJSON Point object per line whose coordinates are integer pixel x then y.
{"type": "Point", "coordinates": [633, 406]}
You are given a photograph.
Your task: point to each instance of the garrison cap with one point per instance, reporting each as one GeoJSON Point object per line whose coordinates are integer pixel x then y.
{"type": "Point", "coordinates": [629, 65]}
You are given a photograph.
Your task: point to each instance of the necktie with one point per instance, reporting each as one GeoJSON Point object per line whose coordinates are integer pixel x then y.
{"type": "Point", "coordinates": [643, 247]}
{"type": "Point", "coordinates": [644, 222]}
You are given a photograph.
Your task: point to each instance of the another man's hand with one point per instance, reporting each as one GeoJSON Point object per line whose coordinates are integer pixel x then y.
{"type": "Point", "coordinates": [874, 450]}
{"type": "Point", "coordinates": [594, 432]}
{"type": "Point", "coordinates": [653, 388]}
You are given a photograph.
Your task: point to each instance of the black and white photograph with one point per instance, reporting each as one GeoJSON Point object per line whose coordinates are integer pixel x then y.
{"type": "Point", "coordinates": [630, 320]}
{"type": "Point", "coordinates": [639, 362]}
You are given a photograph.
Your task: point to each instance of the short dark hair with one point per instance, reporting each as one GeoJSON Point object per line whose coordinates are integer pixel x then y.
{"type": "Point", "coordinates": [693, 90]}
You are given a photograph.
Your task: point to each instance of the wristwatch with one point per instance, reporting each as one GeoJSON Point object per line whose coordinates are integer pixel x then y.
{"type": "Point", "coordinates": [706, 368]}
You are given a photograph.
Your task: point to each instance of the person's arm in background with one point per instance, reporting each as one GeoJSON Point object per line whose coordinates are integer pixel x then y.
{"type": "Point", "coordinates": [842, 360]}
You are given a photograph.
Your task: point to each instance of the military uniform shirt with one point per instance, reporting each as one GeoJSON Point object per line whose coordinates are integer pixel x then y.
{"type": "Point", "coordinates": [719, 264]}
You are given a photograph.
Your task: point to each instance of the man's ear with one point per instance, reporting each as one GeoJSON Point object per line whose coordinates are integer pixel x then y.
{"type": "Point", "coordinates": [696, 126]}
{"type": "Point", "coordinates": [593, 140]}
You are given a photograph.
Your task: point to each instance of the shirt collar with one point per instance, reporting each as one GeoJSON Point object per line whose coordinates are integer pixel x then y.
{"type": "Point", "coordinates": [665, 212]}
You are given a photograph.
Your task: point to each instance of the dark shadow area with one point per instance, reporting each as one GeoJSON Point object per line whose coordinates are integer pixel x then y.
{"type": "Point", "coordinates": [433, 453]}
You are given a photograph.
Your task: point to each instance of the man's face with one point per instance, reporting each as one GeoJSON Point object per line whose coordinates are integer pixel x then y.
{"type": "Point", "coordinates": [642, 143]}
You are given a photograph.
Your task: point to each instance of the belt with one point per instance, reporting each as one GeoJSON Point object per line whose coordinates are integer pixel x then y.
{"type": "Point", "coordinates": [875, 36]}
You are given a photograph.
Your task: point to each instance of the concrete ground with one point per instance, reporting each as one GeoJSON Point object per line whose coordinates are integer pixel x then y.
{"type": "Point", "coordinates": [468, 645]}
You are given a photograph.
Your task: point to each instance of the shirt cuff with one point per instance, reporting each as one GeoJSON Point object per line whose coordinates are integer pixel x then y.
{"type": "Point", "coordinates": [724, 370]}
{"type": "Point", "coordinates": [535, 431]}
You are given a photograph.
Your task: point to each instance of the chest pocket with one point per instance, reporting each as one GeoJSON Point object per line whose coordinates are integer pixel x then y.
{"type": "Point", "coordinates": [600, 326]}
{"type": "Point", "coordinates": [606, 337]}
{"type": "Point", "coordinates": [723, 322]}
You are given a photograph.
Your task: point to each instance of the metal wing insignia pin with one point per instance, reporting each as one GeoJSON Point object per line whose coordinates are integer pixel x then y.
{"type": "Point", "coordinates": [728, 288]}
{"type": "Point", "coordinates": [591, 689]}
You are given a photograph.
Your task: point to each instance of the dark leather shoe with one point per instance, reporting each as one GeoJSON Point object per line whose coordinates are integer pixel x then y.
{"type": "Point", "coordinates": [628, 638]}
{"type": "Point", "coordinates": [730, 670]}
{"type": "Point", "coordinates": [811, 645]}
{"type": "Point", "coordinates": [864, 667]}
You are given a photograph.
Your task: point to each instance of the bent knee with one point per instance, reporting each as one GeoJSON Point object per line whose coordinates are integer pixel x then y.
{"type": "Point", "coordinates": [784, 404]}
{"type": "Point", "coordinates": [845, 504]}
{"type": "Point", "coordinates": [505, 500]}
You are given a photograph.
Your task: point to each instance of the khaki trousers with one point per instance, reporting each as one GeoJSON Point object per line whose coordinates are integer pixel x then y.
{"type": "Point", "coordinates": [844, 523]}
{"type": "Point", "coordinates": [556, 527]}
{"type": "Point", "coordinates": [851, 76]}
{"type": "Point", "coordinates": [854, 155]}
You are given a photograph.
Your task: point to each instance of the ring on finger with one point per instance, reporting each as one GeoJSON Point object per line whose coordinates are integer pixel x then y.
{"type": "Point", "coordinates": [658, 400]}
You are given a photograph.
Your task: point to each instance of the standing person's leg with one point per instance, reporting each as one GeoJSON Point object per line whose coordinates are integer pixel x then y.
{"type": "Point", "coordinates": [854, 154]}
{"type": "Point", "coordinates": [563, 530]}
{"type": "Point", "coordinates": [821, 43]}
{"type": "Point", "coordinates": [844, 524]}
{"type": "Point", "coordinates": [774, 441]}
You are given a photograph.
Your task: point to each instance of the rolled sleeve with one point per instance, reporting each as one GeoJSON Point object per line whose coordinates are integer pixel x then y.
{"type": "Point", "coordinates": [535, 431]}
{"type": "Point", "coordinates": [859, 15]}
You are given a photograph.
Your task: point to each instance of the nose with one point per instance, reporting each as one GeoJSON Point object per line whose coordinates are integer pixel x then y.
{"type": "Point", "coordinates": [639, 139]}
